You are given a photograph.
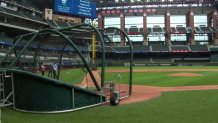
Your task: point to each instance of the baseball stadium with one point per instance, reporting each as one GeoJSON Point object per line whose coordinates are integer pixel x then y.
{"type": "Point", "coordinates": [110, 61]}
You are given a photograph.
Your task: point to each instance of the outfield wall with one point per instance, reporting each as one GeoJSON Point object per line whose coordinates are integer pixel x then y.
{"type": "Point", "coordinates": [126, 63]}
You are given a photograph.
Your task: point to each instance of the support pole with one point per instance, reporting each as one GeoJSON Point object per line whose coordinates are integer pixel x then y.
{"type": "Point", "coordinates": [167, 26]}
{"type": "Point", "coordinates": [93, 47]}
{"type": "Point", "coordinates": [190, 23]}
{"type": "Point", "coordinates": [145, 32]}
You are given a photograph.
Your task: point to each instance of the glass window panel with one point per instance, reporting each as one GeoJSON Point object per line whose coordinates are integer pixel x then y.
{"type": "Point", "coordinates": [202, 37]}
{"type": "Point", "coordinates": [116, 39]}
{"type": "Point", "coordinates": [112, 22]}
{"type": "Point", "coordinates": [155, 20]}
{"type": "Point", "coordinates": [177, 20]}
{"type": "Point", "coordinates": [136, 39]}
{"type": "Point", "coordinates": [178, 38]}
{"type": "Point", "coordinates": [200, 20]}
{"type": "Point", "coordinates": [156, 38]}
{"type": "Point", "coordinates": [133, 21]}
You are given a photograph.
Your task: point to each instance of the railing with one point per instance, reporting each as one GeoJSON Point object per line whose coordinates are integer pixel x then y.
{"type": "Point", "coordinates": [4, 97]}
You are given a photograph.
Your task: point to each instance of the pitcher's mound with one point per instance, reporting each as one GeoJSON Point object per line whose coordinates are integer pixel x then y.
{"type": "Point", "coordinates": [186, 74]}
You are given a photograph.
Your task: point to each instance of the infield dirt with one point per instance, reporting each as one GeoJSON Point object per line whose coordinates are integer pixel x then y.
{"type": "Point", "coordinates": [144, 93]}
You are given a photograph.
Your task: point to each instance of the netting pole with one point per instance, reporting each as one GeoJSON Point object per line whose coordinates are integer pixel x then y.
{"type": "Point", "coordinates": [34, 69]}
{"type": "Point", "coordinates": [131, 57]}
{"type": "Point", "coordinates": [60, 61]}
{"type": "Point", "coordinates": [77, 51]}
{"type": "Point", "coordinates": [102, 47]}
{"type": "Point", "coordinates": [24, 48]}
{"type": "Point", "coordinates": [15, 42]}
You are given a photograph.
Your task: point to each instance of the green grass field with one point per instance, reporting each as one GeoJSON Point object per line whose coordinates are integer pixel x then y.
{"type": "Point", "coordinates": [164, 67]}
{"type": "Point", "coordinates": [75, 76]}
{"type": "Point", "coordinates": [72, 76]}
{"type": "Point", "coordinates": [162, 79]}
{"type": "Point", "coordinates": [171, 107]}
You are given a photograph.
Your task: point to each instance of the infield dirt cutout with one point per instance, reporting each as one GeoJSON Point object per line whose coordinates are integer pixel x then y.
{"type": "Point", "coordinates": [186, 74]}
{"type": "Point", "coordinates": [143, 93]}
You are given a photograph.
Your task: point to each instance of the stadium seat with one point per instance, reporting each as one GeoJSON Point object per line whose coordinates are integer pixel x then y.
{"type": "Point", "coordinates": [160, 48]}
{"type": "Point", "coordinates": [199, 48]}
{"type": "Point", "coordinates": [198, 30]}
{"type": "Point", "coordinates": [110, 32]}
{"type": "Point", "coordinates": [173, 30]}
{"type": "Point", "coordinates": [141, 31]}
{"type": "Point", "coordinates": [180, 48]}
{"type": "Point", "coordinates": [21, 14]}
{"type": "Point", "coordinates": [149, 30]}
{"type": "Point", "coordinates": [61, 24]}
{"type": "Point", "coordinates": [157, 30]}
{"type": "Point", "coordinates": [133, 30]}
{"type": "Point", "coordinates": [52, 24]}
{"type": "Point", "coordinates": [141, 49]}
{"type": "Point", "coordinates": [205, 29]}
{"type": "Point", "coordinates": [181, 29]}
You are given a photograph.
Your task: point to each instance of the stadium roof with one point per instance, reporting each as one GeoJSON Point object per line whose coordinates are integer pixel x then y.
{"type": "Point", "coordinates": [41, 4]}
{"type": "Point", "coordinates": [49, 3]}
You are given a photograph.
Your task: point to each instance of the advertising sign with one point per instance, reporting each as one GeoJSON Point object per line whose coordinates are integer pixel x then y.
{"type": "Point", "coordinates": [84, 8]}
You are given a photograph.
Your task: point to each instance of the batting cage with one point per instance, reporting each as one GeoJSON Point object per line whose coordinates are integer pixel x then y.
{"type": "Point", "coordinates": [60, 70]}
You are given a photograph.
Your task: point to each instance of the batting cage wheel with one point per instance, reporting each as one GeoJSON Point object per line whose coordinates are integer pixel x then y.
{"type": "Point", "coordinates": [114, 98]}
